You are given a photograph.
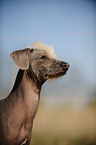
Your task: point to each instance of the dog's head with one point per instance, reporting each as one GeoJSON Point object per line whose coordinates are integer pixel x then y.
{"type": "Point", "coordinates": [40, 62]}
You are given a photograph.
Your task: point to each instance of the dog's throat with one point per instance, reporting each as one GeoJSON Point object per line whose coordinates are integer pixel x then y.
{"type": "Point", "coordinates": [34, 79]}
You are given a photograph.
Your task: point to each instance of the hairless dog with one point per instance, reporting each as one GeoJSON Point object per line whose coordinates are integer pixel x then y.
{"type": "Point", "coordinates": [18, 109]}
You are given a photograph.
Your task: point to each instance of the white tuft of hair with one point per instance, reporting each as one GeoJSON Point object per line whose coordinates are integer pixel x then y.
{"type": "Point", "coordinates": [49, 49]}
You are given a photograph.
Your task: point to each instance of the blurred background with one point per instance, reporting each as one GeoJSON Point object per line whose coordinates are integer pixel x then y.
{"type": "Point", "coordinates": [67, 110]}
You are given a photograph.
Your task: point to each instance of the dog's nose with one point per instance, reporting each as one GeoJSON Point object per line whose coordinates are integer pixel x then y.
{"type": "Point", "coordinates": [64, 65]}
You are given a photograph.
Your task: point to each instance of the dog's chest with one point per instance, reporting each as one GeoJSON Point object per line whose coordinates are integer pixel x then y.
{"type": "Point", "coordinates": [32, 106]}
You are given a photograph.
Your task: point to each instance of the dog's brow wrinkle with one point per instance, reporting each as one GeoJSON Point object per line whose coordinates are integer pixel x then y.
{"type": "Point", "coordinates": [48, 49]}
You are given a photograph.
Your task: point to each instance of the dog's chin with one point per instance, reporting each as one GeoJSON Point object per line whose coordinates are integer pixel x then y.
{"type": "Point", "coordinates": [55, 75]}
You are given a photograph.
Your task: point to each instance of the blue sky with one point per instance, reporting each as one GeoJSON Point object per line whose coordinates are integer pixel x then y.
{"type": "Point", "coordinates": [68, 25]}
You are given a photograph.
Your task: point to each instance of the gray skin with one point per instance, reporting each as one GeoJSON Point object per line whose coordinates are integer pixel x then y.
{"type": "Point", "coordinates": [19, 108]}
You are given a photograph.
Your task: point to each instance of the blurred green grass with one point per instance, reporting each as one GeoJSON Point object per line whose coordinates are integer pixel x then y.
{"type": "Point", "coordinates": [64, 126]}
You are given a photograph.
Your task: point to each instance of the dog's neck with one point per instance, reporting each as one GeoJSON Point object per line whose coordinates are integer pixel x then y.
{"type": "Point", "coordinates": [27, 92]}
{"type": "Point", "coordinates": [34, 80]}
{"type": "Point", "coordinates": [27, 76]}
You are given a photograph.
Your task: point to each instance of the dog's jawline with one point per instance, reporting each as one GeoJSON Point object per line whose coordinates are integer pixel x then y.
{"type": "Point", "coordinates": [57, 75]}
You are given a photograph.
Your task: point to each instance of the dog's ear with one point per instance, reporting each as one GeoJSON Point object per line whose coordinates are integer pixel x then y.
{"type": "Point", "coordinates": [21, 58]}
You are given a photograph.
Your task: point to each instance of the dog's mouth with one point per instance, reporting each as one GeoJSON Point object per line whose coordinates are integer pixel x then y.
{"type": "Point", "coordinates": [55, 75]}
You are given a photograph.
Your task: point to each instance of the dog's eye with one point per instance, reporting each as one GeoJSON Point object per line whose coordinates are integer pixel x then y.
{"type": "Point", "coordinates": [43, 57]}
{"type": "Point", "coordinates": [31, 50]}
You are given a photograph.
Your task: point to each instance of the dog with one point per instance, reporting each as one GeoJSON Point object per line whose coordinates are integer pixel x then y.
{"type": "Point", "coordinates": [18, 109]}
